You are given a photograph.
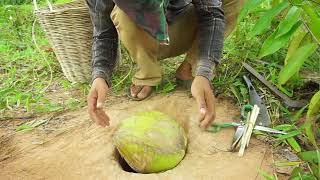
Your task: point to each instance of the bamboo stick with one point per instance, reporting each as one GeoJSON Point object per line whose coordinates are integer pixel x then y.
{"type": "Point", "coordinates": [248, 131]}
{"type": "Point", "coordinates": [242, 141]}
{"type": "Point", "coordinates": [255, 116]}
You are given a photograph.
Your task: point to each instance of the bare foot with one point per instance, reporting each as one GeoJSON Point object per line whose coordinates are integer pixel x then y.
{"type": "Point", "coordinates": [184, 71]}
{"type": "Point", "coordinates": [140, 92]}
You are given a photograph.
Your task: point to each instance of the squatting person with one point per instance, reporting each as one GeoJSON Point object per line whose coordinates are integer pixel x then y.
{"type": "Point", "coordinates": [152, 30]}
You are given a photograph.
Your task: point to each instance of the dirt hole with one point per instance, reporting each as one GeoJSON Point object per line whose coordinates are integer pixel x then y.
{"type": "Point", "coordinates": [123, 164]}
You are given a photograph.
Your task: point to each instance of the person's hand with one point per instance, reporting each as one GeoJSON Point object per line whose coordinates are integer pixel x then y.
{"type": "Point", "coordinates": [203, 94]}
{"type": "Point", "coordinates": [96, 98]}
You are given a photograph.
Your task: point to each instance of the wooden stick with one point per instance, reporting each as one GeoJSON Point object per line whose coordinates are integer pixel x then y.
{"type": "Point", "coordinates": [250, 125]}
{"type": "Point", "coordinates": [253, 122]}
{"type": "Point", "coordinates": [243, 142]}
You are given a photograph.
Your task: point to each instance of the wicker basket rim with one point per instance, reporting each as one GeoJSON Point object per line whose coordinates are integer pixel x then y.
{"type": "Point", "coordinates": [77, 4]}
{"type": "Point", "coordinates": [59, 11]}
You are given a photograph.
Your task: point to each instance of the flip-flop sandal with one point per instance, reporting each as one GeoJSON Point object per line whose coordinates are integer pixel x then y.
{"type": "Point", "coordinates": [136, 98]}
{"type": "Point", "coordinates": [185, 84]}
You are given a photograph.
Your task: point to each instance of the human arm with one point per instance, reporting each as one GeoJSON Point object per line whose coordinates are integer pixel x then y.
{"type": "Point", "coordinates": [105, 39]}
{"type": "Point", "coordinates": [211, 23]}
{"type": "Point", "coordinates": [104, 55]}
{"type": "Point", "coordinates": [210, 37]}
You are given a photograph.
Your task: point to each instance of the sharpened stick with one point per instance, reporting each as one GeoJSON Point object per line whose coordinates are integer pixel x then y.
{"type": "Point", "coordinates": [242, 141]}
{"type": "Point", "coordinates": [250, 125]}
{"type": "Point", "coordinates": [253, 122]}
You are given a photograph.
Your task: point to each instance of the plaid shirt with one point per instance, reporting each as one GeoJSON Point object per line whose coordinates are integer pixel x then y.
{"type": "Point", "coordinates": [152, 16]}
{"type": "Point", "coordinates": [148, 14]}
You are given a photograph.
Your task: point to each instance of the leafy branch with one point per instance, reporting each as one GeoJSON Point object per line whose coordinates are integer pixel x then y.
{"type": "Point", "coordinates": [299, 30]}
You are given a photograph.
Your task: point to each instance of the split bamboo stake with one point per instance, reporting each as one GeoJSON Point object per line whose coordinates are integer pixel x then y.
{"type": "Point", "coordinates": [245, 128]}
{"type": "Point", "coordinates": [248, 131]}
{"type": "Point", "coordinates": [253, 122]}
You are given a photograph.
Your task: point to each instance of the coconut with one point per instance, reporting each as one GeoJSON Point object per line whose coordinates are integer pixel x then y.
{"type": "Point", "coordinates": [150, 142]}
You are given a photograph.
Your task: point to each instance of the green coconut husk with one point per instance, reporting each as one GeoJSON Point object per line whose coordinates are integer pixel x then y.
{"type": "Point", "coordinates": [151, 142]}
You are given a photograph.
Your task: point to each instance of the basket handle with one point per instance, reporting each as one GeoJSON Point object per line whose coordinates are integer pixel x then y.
{"type": "Point", "coordinates": [36, 6]}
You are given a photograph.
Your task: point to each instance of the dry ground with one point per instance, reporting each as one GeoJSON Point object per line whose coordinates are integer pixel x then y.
{"type": "Point", "coordinates": [71, 146]}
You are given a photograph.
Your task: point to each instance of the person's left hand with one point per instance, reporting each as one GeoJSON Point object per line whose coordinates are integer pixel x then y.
{"type": "Point", "coordinates": [203, 94]}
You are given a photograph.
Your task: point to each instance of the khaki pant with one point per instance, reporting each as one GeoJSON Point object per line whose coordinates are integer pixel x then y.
{"type": "Point", "coordinates": [146, 51]}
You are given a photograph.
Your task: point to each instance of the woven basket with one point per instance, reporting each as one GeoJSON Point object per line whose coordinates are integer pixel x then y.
{"type": "Point", "coordinates": [68, 28]}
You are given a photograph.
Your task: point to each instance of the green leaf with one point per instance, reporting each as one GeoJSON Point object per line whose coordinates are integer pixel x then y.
{"type": "Point", "coordinates": [314, 19]}
{"type": "Point", "coordinates": [288, 163]}
{"type": "Point", "coordinates": [23, 127]}
{"type": "Point", "coordinates": [310, 156]}
{"type": "Point", "coordinates": [27, 103]}
{"type": "Point", "coordinates": [275, 3]}
{"type": "Point", "coordinates": [267, 176]}
{"type": "Point", "coordinates": [313, 159]}
{"type": "Point", "coordinates": [299, 174]}
{"type": "Point", "coordinates": [284, 127]}
{"type": "Point", "coordinates": [30, 125]}
{"type": "Point", "coordinates": [291, 19]}
{"type": "Point", "coordinates": [298, 114]}
{"type": "Point", "coordinates": [235, 92]}
{"type": "Point", "coordinates": [4, 92]}
{"type": "Point", "coordinates": [166, 88]}
{"type": "Point", "coordinates": [273, 44]}
{"type": "Point", "coordinates": [286, 136]}
{"type": "Point", "coordinates": [285, 90]}
{"type": "Point", "coordinates": [294, 144]}
{"type": "Point", "coordinates": [247, 7]}
{"type": "Point", "coordinates": [295, 43]}
{"type": "Point", "coordinates": [265, 21]}
{"type": "Point", "coordinates": [294, 65]}
{"type": "Point", "coordinates": [309, 176]}
{"type": "Point", "coordinates": [296, 173]}
{"type": "Point", "coordinates": [313, 111]}
{"type": "Point", "coordinates": [49, 108]}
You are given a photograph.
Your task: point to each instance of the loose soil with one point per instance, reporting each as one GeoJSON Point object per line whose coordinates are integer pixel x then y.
{"type": "Point", "coordinates": [71, 146]}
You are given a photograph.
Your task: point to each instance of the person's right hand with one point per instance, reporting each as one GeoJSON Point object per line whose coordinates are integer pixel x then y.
{"type": "Point", "coordinates": [96, 98]}
{"type": "Point", "coordinates": [204, 96]}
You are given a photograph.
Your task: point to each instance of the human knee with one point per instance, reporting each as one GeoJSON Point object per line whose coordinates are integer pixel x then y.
{"type": "Point", "coordinates": [232, 10]}
{"type": "Point", "coordinates": [128, 31]}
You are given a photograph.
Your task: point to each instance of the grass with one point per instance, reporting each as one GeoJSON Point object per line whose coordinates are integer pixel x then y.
{"type": "Point", "coordinates": [24, 74]}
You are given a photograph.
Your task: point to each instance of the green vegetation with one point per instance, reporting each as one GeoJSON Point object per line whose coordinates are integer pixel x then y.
{"type": "Point", "coordinates": [292, 41]}
{"type": "Point", "coordinates": [25, 77]}
{"type": "Point", "coordinates": [281, 33]}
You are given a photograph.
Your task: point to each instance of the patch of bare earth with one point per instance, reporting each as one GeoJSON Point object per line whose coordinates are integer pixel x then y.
{"type": "Point", "coordinates": [71, 146]}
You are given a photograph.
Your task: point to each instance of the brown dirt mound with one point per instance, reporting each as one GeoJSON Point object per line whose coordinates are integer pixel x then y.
{"type": "Point", "coordinates": [78, 149]}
